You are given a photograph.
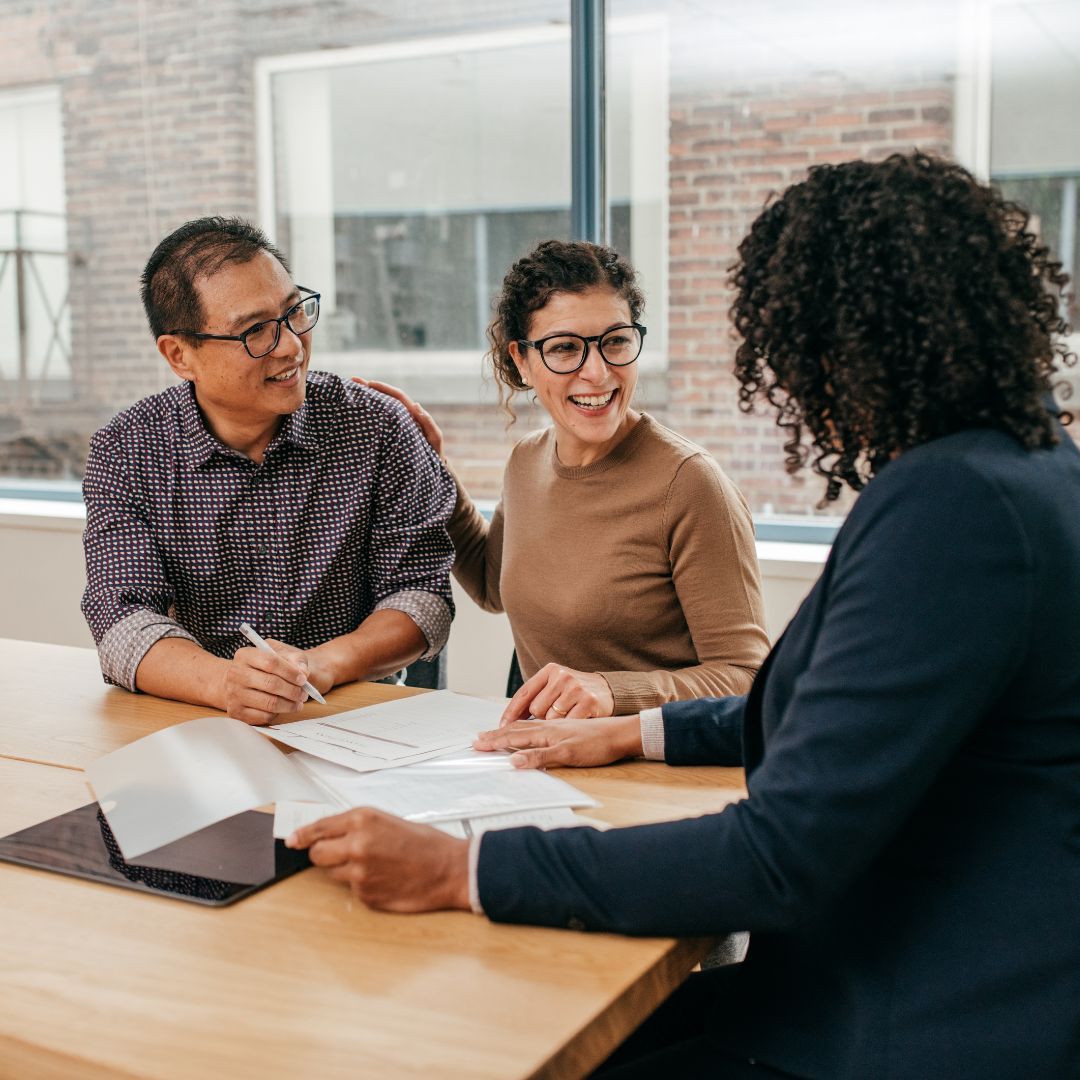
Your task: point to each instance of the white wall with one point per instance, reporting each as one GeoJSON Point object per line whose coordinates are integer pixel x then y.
{"type": "Point", "coordinates": [42, 578]}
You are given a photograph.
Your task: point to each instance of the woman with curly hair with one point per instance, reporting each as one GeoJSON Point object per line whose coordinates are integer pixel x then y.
{"type": "Point", "coordinates": [604, 513]}
{"type": "Point", "coordinates": [908, 859]}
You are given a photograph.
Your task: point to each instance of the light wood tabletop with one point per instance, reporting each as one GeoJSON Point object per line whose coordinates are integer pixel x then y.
{"type": "Point", "coordinates": [298, 980]}
{"type": "Point", "coordinates": [61, 712]}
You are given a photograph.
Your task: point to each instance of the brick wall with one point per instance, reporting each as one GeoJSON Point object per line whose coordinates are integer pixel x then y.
{"type": "Point", "coordinates": [731, 148]}
{"type": "Point", "coordinates": [159, 127]}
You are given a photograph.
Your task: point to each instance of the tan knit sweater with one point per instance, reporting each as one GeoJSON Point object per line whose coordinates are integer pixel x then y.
{"type": "Point", "coordinates": [640, 566]}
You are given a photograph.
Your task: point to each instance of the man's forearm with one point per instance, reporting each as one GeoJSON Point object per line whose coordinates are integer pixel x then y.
{"type": "Point", "coordinates": [383, 643]}
{"type": "Point", "coordinates": [179, 669]}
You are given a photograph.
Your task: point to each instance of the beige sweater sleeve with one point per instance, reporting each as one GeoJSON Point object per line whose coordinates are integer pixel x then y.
{"type": "Point", "coordinates": [477, 549]}
{"type": "Point", "coordinates": [709, 533]}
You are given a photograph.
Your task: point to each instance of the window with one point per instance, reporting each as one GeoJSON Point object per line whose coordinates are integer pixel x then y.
{"type": "Point", "coordinates": [757, 93]}
{"type": "Point", "coordinates": [405, 154]}
{"type": "Point", "coordinates": [408, 217]}
{"type": "Point", "coordinates": [35, 348]}
{"type": "Point", "coordinates": [1034, 131]}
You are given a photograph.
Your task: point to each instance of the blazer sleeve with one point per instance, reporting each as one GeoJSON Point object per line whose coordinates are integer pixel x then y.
{"type": "Point", "coordinates": [707, 731]}
{"type": "Point", "coordinates": [924, 624]}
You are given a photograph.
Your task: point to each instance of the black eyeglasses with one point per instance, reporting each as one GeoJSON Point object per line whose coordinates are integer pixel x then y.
{"type": "Point", "coordinates": [563, 354]}
{"type": "Point", "coordinates": [262, 339]}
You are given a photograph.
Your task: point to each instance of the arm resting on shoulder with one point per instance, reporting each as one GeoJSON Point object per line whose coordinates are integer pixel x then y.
{"type": "Point", "coordinates": [409, 559]}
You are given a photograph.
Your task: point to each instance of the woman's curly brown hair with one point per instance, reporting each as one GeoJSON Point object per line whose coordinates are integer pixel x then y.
{"type": "Point", "coordinates": [553, 266]}
{"type": "Point", "coordinates": [882, 305]}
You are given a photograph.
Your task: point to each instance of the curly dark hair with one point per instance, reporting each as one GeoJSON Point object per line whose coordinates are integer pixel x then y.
{"type": "Point", "coordinates": [882, 305]}
{"type": "Point", "coordinates": [553, 266]}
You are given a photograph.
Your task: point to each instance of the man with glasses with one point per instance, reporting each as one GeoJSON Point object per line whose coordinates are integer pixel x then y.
{"type": "Point", "coordinates": [257, 492]}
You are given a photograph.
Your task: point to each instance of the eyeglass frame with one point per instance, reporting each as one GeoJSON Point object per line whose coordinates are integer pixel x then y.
{"type": "Point", "coordinates": [538, 345]}
{"type": "Point", "coordinates": [242, 338]}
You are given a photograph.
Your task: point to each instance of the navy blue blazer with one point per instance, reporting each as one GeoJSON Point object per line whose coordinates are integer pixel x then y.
{"type": "Point", "coordinates": [909, 857]}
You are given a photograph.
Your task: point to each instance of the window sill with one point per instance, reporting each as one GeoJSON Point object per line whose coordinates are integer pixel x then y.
{"type": "Point", "coordinates": [55, 515]}
{"type": "Point", "coordinates": [799, 560]}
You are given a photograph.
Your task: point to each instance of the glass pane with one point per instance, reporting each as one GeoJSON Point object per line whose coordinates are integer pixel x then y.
{"type": "Point", "coordinates": [1034, 130]}
{"type": "Point", "coordinates": [423, 149]}
{"type": "Point", "coordinates": [406, 218]}
{"type": "Point", "coordinates": [35, 330]}
{"type": "Point", "coordinates": [1053, 203]}
{"type": "Point", "coordinates": [752, 95]}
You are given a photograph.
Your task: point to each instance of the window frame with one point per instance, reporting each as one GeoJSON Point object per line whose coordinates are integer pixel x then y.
{"type": "Point", "coordinates": [441, 376]}
{"type": "Point", "coordinates": [973, 114]}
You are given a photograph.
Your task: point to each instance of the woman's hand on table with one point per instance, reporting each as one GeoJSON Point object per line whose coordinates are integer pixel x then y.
{"type": "Point", "coordinates": [555, 692]}
{"type": "Point", "coordinates": [428, 428]}
{"type": "Point", "coordinates": [539, 744]}
{"type": "Point", "coordinates": [391, 864]}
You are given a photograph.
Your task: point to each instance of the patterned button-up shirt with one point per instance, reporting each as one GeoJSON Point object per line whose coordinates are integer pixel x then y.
{"type": "Point", "coordinates": [185, 537]}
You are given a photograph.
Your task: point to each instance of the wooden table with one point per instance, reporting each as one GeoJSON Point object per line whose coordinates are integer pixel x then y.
{"type": "Point", "coordinates": [298, 980]}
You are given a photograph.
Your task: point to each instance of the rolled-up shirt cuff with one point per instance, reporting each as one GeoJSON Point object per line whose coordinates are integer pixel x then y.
{"type": "Point", "coordinates": [474, 882]}
{"type": "Point", "coordinates": [652, 733]}
{"type": "Point", "coordinates": [123, 646]}
{"type": "Point", "coordinates": [430, 612]}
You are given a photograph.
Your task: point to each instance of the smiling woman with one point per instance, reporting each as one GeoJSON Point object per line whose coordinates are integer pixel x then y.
{"type": "Point", "coordinates": [622, 554]}
{"type": "Point", "coordinates": [585, 378]}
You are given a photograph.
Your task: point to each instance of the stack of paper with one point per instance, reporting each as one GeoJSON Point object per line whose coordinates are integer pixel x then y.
{"type": "Point", "coordinates": [411, 757]}
{"type": "Point", "coordinates": [463, 786]}
{"type": "Point", "coordinates": [289, 816]}
{"type": "Point", "coordinates": [392, 734]}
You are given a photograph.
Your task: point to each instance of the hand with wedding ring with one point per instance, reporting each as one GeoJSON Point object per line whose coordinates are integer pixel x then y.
{"type": "Point", "coordinates": [580, 743]}
{"type": "Point", "coordinates": [428, 428]}
{"type": "Point", "coordinates": [556, 691]}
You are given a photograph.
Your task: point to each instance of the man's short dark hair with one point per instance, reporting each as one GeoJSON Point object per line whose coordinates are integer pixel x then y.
{"type": "Point", "coordinates": [197, 249]}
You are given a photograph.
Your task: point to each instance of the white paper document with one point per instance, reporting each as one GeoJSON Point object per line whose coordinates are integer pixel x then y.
{"type": "Point", "coordinates": [183, 778]}
{"type": "Point", "coordinates": [466, 784]}
{"type": "Point", "coordinates": [560, 817]}
{"type": "Point", "coordinates": [290, 816]}
{"type": "Point", "coordinates": [189, 776]}
{"type": "Point", "coordinates": [393, 733]}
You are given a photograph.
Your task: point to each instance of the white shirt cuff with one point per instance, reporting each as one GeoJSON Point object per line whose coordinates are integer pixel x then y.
{"type": "Point", "coordinates": [474, 885]}
{"type": "Point", "coordinates": [652, 733]}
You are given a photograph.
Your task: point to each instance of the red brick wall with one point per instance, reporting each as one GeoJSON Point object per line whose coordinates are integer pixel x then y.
{"type": "Point", "coordinates": [730, 150]}
{"type": "Point", "coordinates": [159, 127]}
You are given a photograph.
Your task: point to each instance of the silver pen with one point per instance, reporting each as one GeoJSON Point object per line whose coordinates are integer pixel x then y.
{"type": "Point", "coordinates": [260, 643]}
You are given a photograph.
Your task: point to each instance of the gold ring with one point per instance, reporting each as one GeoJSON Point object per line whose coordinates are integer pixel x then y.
{"type": "Point", "coordinates": [561, 712]}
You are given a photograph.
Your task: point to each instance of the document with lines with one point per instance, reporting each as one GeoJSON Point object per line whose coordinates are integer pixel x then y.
{"type": "Point", "coordinates": [462, 785]}
{"type": "Point", "coordinates": [393, 733]}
